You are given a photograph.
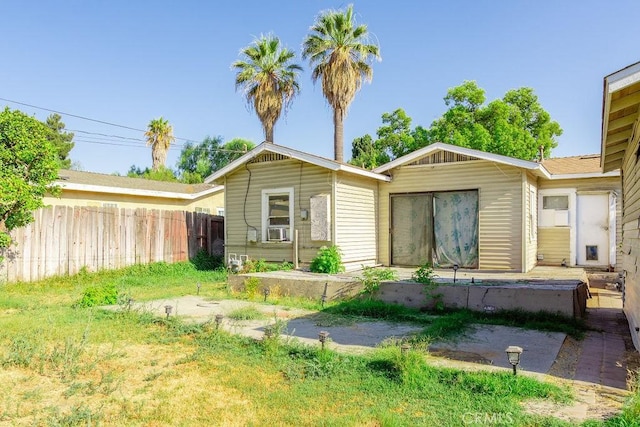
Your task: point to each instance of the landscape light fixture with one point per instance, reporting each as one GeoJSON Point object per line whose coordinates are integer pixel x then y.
{"type": "Point", "coordinates": [219, 318]}
{"type": "Point", "coordinates": [266, 292]}
{"type": "Point", "coordinates": [513, 354]}
{"type": "Point", "coordinates": [455, 270]}
{"type": "Point", "coordinates": [198, 286]}
{"type": "Point", "coordinates": [404, 348]}
{"type": "Point", "coordinates": [168, 309]}
{"type": "Point", "coordinates": [322, 337]}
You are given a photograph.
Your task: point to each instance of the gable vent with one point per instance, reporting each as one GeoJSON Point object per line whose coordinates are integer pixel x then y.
{"type": "Point", "coordinates": [442, 157]}
{"type": "Point", "coordinates": [269, 157]}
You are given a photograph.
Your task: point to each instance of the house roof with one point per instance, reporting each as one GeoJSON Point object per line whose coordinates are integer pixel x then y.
{"type": "Point", "coordinates": [297, 155]}
{"type": "Point", "coordinates": [620, 108]}
{"type": "Point", "coordinates": [586, 166]}
{"type": "Point", "coordinates": [102, 183]}
{"type": "Point", "coordinates": [441, 146]}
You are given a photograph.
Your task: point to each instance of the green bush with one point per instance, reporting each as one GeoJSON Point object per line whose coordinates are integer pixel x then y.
{"type": "Point", "coordinates": [203, 261]}
{"type": "Point", "coordinates": [262, 266]}
{"type": "Point", "coordinates": [106, 294]}
{"type": "Point", "coordinates": [372, 277]}
{"type": "Point", "coordinates": [328, 260]}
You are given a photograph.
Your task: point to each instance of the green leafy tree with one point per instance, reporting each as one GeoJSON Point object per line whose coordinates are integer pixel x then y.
{"type": "Point", "coordinates": [515, 126]}
{"type": "Point", "coordinates": [159, 136]}
{"type": "Point", "coordinates": [28, 167]}
{"type": "Point", "coordinates": [367, 154]}
{"type": "Point", "coordinates": [268, 78]}
{"type": "Point", "coordinates": [395, 139]}
{"type": "Point", "coordinates": [340, 52]}
{"type": "Point", "coordinates": [198, 161]}
{"type": "Point", "coordinates": [161, 174]}
{"type": "Point", "coordinates": [62, 140]}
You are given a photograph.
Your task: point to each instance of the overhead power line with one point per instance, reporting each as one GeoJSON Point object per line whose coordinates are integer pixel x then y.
{"type": "Point", "coordinates": [83, 117]}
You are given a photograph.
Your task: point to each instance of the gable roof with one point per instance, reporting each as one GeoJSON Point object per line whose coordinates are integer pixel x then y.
{"type": "Point", "coordinates": [297, 155]}
{"type": "Point", "coordinates": [584, 166]}
{"type": "Point", "coordinates": [482, 155]}
{"type": "Point", "coordinates": [102, 183]}
{"type": "Point", "coordinates": [620, 112]}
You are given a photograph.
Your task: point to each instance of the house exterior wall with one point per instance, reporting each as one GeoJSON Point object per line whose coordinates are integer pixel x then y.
{"type": "Point", "coordinates": [243, 200]}
{"type": "Point", "coordinates": [631, 238]}
{"type": "Point", "coordinates": [87, 198]}
{"type": "Point", "coordinates": [530, 221]}
{"type": "Point", "coordinates": [554, 243]}
{"type": "Point", "coordinates": [356, 220]}
{"type": "Point", "coordinates": [500, 189]}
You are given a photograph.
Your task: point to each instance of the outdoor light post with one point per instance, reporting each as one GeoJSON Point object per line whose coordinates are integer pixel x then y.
{"type": "Point", "coordinates": [266, 292]}
{"type": "Point", "coordinates": [513, 354]}
{"type": "Point", "coordinates": [198, 285]}
{"type": "Point", "coordinates": [322, 337]}
{"type": "Point", "coordinates": [455, 270]}
{"type": "Point", "coordinates": [219, 318]}
{"type": "Point", "coordinates": [167, 309]}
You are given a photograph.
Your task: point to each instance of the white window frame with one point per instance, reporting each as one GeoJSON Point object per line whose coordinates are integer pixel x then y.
{"type": "Point", "coordinates": [200, 209]}
{"type": "Point", "coordinates": [220, 211]}
{"type": "Point", "coordinates": [265, 211]}
{"type": "Point", "coordinates": [548, 218]}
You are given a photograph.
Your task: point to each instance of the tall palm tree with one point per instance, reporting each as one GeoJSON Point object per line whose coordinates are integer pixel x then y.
{"type": "Point", "coordinates": [159, 136]}
{"type": "Point", "coordinates": [268, 78]}
{"type": "Point", "coordinates": [341, 55]}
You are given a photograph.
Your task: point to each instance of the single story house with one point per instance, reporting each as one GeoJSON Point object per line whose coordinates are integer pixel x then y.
{"type": "Point", "coordinates": [621, 149]}
{"type": "Point", "coordinates": [443, 204]}
{"type": "Point", "coordinates": [284, 205]}
{"type": "Point", "coordinates": [101, 190]}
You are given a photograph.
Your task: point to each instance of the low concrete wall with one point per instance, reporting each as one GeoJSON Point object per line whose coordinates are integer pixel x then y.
{"type": "Point", "coordinates": [568, 298]}
{"type": "Point", "coordinates": [302, 285]}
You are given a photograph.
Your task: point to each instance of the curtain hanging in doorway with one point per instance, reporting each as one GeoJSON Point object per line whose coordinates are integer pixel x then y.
{"type": "Point", "coordinates": [456, 228]}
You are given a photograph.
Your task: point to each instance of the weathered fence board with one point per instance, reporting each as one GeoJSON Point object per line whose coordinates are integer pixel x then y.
{"type": "Point", "coordinates": [63, 240]}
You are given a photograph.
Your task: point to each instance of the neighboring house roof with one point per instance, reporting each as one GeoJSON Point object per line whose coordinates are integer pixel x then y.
{"type": "Point", "coordinates": [101, 183]}
{"type": "Point", "coordinates": [584, 166]}
{"type": "Point", "coordinates": [294, 154]}
{"type": "Point", "coordinates": [620, 107]}
{"type": "Point", "coordinates": [441, 146]}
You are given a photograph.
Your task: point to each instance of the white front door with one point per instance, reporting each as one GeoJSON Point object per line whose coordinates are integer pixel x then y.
{"type": "Point", "coordinates": [593, 229]}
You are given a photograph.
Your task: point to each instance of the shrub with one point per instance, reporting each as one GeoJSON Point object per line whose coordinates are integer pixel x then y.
{"type": "Point", "coordinates": [372, 277]}
{"type": "Point", "coordinates": [106, 294]}
{"type": "Point", "coordinates": [328, 260]}
{"type": "Point", "coordinates": [425, 275]}
{"type": "Point", "coordinates": [203, 261]}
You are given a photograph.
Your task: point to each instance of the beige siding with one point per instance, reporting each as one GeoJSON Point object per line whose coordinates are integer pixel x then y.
{"type": "Point", "coordinates": [553, 245]}
{"type": "Point", "coordinates": [88, 198]}
{"type": "Point", "coordinates": [500, 204]}
{"type": "Point", "coordinates": [305, 179]}
{"type": "Point", "coordinates": [609, 184]}
{"type": "Point", "coordinates": [531, 222]}
{"type": "Point", "coordinates": [631, 239]}
{"type": "Point", "coordinates": [355, 214]}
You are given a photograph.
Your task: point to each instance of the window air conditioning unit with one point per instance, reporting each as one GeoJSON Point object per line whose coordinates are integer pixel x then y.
{"type": "Point", "coordinates": [276, 234]}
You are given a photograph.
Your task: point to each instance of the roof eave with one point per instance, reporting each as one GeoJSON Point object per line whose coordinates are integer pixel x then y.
{"type": "Point", "coordinates": [613, 83]}
{"type": "Point", "coordinates": [293, 154]}
{"type": "Point", "coordinates": [498, 158]}
{"type": "Point", "coordinates": [136, 191]}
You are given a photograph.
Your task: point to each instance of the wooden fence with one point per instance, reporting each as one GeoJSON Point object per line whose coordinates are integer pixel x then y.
{"type": "Point", "coordinates": [62, 240]}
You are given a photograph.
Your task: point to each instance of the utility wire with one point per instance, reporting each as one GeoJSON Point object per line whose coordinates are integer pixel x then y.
{"type": "Point", "coordinates": [82, 117]}
{"type": "Point", "coordinates": [108, 141]}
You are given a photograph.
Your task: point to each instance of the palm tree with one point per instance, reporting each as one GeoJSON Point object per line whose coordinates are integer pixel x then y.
{"type": "Point", "coordinates": [341, 53]}
{"type": "Point", "coordinates": [268, 79]}
{"type": "Point", "coordinates": [159, 136]}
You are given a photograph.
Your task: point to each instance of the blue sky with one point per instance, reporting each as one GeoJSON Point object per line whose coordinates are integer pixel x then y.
{"type": "Point", "coordinates": [126, 62]}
